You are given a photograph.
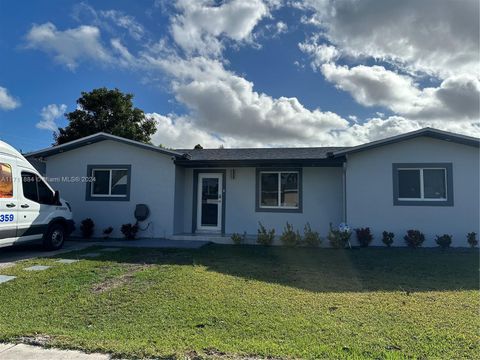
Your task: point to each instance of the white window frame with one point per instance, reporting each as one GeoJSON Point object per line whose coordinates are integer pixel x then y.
{"type": "Point", "coordinates": [279, 188]}
{"type": "Point", "coordinates": [422, 185]}
{"type": "Point", "coordinates": [92, 194]}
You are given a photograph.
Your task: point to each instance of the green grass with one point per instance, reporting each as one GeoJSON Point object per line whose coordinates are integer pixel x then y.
{"type": "Point", "coordinates": [287, 303]}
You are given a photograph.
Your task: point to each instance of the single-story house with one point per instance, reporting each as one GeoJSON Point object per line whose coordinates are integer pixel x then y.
{"type": "Point", "coordinates": [426, 180]}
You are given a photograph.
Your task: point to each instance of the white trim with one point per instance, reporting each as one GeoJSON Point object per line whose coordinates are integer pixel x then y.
{"type": "Point", "coordinates": [109, 183]}
{"type": "Point", "coordinates": [279, 190]}
{"type": "Point", "coordinates": [422, 184]}
{"type": "Point", "coordinates": [200, 227]}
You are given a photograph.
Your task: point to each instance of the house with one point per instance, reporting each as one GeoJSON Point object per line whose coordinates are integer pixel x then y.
{"type": "Point", "coordinates": [426, 180]}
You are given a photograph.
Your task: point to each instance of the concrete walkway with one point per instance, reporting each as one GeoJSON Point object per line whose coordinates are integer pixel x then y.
{"type": "Point", "coordinates": [29, 352]}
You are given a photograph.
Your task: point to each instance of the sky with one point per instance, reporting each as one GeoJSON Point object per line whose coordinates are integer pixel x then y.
{"type": "Point", "coordinates": [244, 73]}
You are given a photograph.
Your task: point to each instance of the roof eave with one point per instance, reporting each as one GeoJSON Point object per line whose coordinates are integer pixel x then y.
{"type": "Point", "coordinates": [429, 132]}
{"type": "Point", "coordinates": [91, 139]}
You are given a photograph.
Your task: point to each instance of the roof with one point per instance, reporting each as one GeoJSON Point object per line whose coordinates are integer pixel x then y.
{"type": "Point", "coordinates": [428, 132]}
{"type": "Point", "coordinates": [257, 156]}
{"type": "Point", "coordinates": [91, 139]}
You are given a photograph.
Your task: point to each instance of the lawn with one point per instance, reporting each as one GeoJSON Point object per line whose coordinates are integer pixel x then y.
{"type": "Point", "coordinates": [223, 301]}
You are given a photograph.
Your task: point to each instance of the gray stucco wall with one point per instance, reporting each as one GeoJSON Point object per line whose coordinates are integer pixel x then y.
{"type": "Point", "coordinates": [152, 183]}
{"type": "Point", "coordinates": [370, 191]}
{"type": "Point", "coordinates": [322, 202]}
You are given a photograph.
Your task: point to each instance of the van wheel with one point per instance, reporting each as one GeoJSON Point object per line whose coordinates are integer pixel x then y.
{"type": "Point", "coordinates": [54, 238]}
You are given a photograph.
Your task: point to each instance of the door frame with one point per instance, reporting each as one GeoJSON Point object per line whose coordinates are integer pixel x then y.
{"type": "Point", "coordinates": [196, 173]}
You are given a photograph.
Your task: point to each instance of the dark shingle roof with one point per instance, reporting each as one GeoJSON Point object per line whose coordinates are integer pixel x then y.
{"type": "Point", "coordinates": [307, 153]}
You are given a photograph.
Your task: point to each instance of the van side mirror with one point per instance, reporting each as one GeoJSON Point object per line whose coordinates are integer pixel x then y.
{"type": "Point", "coordinates": [56, 198]}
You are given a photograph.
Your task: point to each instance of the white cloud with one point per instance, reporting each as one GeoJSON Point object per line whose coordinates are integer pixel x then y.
{"type": "Point", "coordinates": [226, 104]}
{"type": "Point", "coordinates": [49, 115]}
{"type": "Point", "coordinates": [456, 99]}
{"type": "Point", "coordinates": [70, 46]}
{"type": "Point", "coordinates": [7, 101]}
{"type": "Point", "coordinates": [127, 22]}
{"type": "Point", "coordinates": [281, 27]}
{"type": "Point", "coordinates": [200, 25]}
{"type": "Point", "coordinates": [320, 53]}
{"type": "Point", "coordinates": [439, 37]}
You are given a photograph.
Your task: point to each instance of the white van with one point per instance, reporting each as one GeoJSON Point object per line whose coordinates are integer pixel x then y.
{"type": "Point", "coordinates": [29, 209]}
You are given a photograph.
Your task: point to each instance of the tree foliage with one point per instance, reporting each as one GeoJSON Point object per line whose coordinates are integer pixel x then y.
{"type": "Point", "coordinates": [109, 111]}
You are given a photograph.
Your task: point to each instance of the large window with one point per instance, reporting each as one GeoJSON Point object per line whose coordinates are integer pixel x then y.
{"type": "Point", "coordinates": [108, 182]}
{"type": "Point", "coordinates": [279, 190]}
{"type": "Point", "coordinates": [6, 181]}
{"type": "Point", "coordinates": [35, 189]}
{"type": "Point", "coordinates": [423, 184]}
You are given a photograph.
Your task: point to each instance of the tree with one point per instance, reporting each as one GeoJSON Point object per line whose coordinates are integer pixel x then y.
{"type": "Point", "coordinates": [198, 147]}
{"type": "Point", "coordinates": [110, 111]}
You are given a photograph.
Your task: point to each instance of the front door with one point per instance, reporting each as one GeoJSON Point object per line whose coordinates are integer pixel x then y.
{"type": "Point", "coordinates": [209, 202]}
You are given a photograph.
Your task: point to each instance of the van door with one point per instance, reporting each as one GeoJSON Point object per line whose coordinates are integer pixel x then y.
{"type": "Point", "coordinates": [36, 206]}
{"type": "Point", "coordinates": [8, 200]}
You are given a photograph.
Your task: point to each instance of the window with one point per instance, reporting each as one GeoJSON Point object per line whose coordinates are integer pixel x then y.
{"type": "Point", "coordinates": [35, 189]}
{"type": "Point", "coordinates": [108, 182]}
{"type": "Point", "coordinates": [423, 184]}
{"type": "Point", "coordinates": [6, 181]}
{"type": "Point", "coordinates": [278, 190]}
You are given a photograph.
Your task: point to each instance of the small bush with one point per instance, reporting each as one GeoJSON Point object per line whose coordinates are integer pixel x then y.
{"type": "Point", "coordinates": [87, 227]}
{"type": "Point", "coordinates": [339, 238]}
{"type": "Point", "coordinates": [311, 238]}
{"type": "Point", "coordinates": [387, 238]}
{"type": "Point", "coordinates": [290, 237]}
{"type": "Point", "coordinates": [472, 239]}
{"type": "Point", "coordinates": [129, 231]}
{"type": "Point", "coordinates": [444, 241]}
{"type": "Point", "coordinates": [414, 238]}
{"type": "Point", "coordinates": [364, 236]}
{"type": "Point", "coordinates": [107, 232]}
{"type": "Point", "coordinates": [265, 237]}
{"type": "Point", "coordinates": [239, 239]}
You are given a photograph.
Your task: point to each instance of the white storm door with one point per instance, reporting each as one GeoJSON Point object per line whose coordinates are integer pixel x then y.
{"type": "Point", "coordinates": [209, 202]}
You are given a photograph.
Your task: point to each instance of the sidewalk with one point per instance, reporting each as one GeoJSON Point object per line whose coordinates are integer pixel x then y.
{"type": "Point", "coordinates": [29, 352]}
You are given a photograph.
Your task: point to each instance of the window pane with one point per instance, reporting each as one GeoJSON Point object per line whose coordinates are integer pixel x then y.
{"type": "Point", "coordinates": [210, 204]}
{"type": "Point", "coordinates": [101, 182]}
{"type": "Point", "coordinates": [6, 182]}
{"type": "Point", "coordinates": [45, 195]}
{"type": "Point", "coordinates": [268, 189]}
{"type": "Point", "coordinates": [409, 184]}
{"type": "Point", "coordinates": [119, 182]}
{"type": "Point", "coordinates": [29, 185]}
{"type": "Point", "coordinates": [434, 184]}
{"type": "Point", "coordinates": [289, 188]}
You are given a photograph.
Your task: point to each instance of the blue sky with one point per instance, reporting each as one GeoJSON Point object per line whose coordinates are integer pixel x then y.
{"type": "Point", "coordinates": [244, 73]}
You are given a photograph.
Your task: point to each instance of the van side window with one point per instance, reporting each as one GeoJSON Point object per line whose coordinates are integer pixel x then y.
{"type": "Point", "coordinates": [29, 185]}
{"type": "Point", "coordinates": [6, 181]}
{"type": "Point", "coordinates": [36, 190]}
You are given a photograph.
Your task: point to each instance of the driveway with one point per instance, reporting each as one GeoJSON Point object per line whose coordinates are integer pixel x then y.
{"type": "Point", "coordinates": [8, 255]}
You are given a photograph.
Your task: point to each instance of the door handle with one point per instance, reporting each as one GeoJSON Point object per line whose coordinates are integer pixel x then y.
{"type": "Point", "coordinates": [24, 206]}
{"type": "Point", "coordinates": [10, 205]}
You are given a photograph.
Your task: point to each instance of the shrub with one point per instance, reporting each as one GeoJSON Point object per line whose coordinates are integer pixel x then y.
{"type": "Point", "coordinates": [290, 237]}
{"type": "Point", "coordinates": [472, 239]}
{"type": "Point", "coordinates": [311, 238]}
{"type": "Point", "coordinates": [414, 238]}
{"type": "Point", "coordinates": [107, 232]}
{"type": "Point", "coordinates": [364, 236]}
{"type": "Point", "coordinates": [387, 238]}
{"type": "Point", "coordinates": [129, 231]}
{"type": "Point", "coordinates": [339, 237]}
{"type": "Point", "coordinates": [87, 227]}
{"type": "Point", "coordinates": [239, 239]}
{"type": "Point", "coordinates": [265, 237]}
{"type": "Point", "coordinates": [444, 241]}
